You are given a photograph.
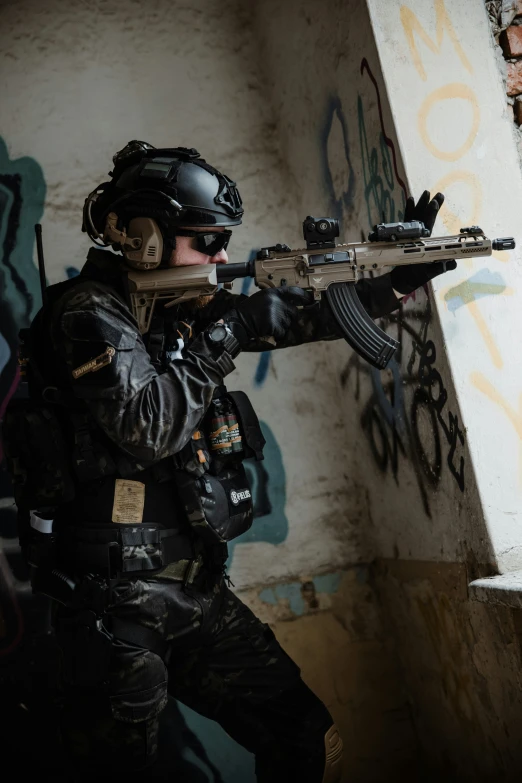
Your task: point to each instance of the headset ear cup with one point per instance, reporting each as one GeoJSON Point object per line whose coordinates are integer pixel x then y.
{"type": "Point", "coordinates": [144, 246]}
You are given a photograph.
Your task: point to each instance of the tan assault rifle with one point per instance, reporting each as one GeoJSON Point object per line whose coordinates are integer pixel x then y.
{"type": "Point", "coordinates": [323, 268]}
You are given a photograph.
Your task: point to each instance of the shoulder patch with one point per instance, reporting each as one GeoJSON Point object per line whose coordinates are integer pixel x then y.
{"type": "Point", "coordinates": [98, 326]}
{"type": "Point", "coordinates": [95, 364]}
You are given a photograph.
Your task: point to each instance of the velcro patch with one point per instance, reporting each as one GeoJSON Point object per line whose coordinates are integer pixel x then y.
{"type": "Point", "coordinates": [237, 496]}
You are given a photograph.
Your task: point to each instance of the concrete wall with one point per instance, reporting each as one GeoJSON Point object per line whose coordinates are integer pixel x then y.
{"type": "Point", "coordinates": [434, 440]}
{"type": "Point", "coordinates": [462, 372]}
{"type": "Point", "coordinates": [80, 81]}
{"type": "Point", "coordinates": [403, 466]}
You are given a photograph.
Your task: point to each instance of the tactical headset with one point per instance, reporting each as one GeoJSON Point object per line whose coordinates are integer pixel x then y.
{"type": "Point", "coordinates": [151, 194]}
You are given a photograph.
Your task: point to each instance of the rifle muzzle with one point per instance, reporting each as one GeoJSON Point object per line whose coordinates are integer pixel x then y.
{"type": "Point", "coordinates": [503, 243]}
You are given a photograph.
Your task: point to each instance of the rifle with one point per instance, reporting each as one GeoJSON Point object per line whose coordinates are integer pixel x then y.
{"type": "Point", "coordinates": [324, 268]}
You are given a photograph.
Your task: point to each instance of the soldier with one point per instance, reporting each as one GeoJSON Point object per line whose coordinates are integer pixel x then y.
{"type": "Point", "coordinates": [141, 483]}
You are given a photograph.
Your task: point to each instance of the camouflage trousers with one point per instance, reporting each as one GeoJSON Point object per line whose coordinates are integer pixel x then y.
{"type": "Point", "coordinates": [221, 662]}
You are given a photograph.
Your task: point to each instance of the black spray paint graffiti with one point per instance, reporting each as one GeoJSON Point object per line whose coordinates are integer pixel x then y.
{"type": "Point", "coordinates": [384, 189]}
{"type": "Point", "coordinates": [421, 427]}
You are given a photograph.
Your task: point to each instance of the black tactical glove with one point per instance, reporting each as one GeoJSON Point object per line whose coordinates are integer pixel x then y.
{"type": "Point", "coordinates": [405, 279]}
{"type": "Point", "coordinates": [267, 313]}
{"type": "Point", "coordinates": [425, 210]}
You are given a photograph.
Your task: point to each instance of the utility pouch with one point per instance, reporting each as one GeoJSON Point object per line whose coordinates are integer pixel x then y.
{"type": "Point", "coordinates": [232, 429]}
{"type": "Point", "coordinates": [219, 508]}
{"type": "Point", "coordinates": [253, 440]}
{"type": "Point", "coordinates": [210, 477]}
{"type": "Point", "coordinates": [36, 454]}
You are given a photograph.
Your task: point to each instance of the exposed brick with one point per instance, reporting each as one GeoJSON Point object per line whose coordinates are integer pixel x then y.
{"type": "Point", "coordinates": [511, 41]}
{"type": "Point", "coordinates": [519, 8]}
{"type": "Point", "coordinates": [514, 78]}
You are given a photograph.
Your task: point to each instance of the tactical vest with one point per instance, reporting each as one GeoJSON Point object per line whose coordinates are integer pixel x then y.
{"type": "Point", "coordinates": [53, 447]}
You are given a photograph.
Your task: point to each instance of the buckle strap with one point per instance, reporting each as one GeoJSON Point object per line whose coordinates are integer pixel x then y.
{"type": "Point", "coordinates": [182, 570]}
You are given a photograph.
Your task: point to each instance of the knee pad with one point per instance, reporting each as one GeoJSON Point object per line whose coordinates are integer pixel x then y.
{"type": "Point", "coordinates": [333, 746]}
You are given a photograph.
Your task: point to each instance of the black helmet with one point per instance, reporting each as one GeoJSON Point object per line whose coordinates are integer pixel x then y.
{"type": "Point", "coordinates": [172, 186]}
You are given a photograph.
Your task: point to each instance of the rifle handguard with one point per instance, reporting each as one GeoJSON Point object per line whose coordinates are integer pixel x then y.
{"type": "Point", "coordinates": [360, 332]}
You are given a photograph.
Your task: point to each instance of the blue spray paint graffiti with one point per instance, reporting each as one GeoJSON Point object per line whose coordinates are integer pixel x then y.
{"type": "Point", "coordinates": [267, 480]}
{"type": "Point", "coordinates": [222, 761]}
{"type": "Point", "coordinates": [292, 592]}
{"type": "Point", "coordinates": [483, 283]}
{"type": "Point", "coordinates": [22, 194]}
{"type": "Point", "coordinates": [334, 142]}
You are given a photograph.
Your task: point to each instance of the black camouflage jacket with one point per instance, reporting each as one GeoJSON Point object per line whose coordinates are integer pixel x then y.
{"type": "Point", "coordinates": [151, 414]}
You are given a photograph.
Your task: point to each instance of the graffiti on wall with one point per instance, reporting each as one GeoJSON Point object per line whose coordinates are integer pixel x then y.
{"type": "Point", "coordinates": [22, 194]}
{"type": "Point", "coordinates": [468, 293]}
{"type": "Point", "coordinates": [385, 192]}
{"type": "Point", "coordinates": [338, 172]}
{"type": "Point", "coordinates": [407, 414]}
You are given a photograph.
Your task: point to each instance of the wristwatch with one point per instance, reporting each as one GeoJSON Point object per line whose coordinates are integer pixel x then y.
{"type": "Point", "coordinates": [220, 336]}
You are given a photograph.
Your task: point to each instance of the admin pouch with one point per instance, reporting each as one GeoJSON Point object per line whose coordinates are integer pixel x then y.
{"type": "Point", "coordinates": [214, 490]}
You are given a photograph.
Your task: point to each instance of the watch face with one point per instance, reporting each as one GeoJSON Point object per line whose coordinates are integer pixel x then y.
{"type": "Point", "coordinates": [218, 333]}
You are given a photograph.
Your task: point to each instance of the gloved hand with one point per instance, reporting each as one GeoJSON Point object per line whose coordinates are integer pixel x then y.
{"type": "Point", "coordinates": [405, 279]}
{"type": "Point", "coordinates": [267, 313]}
{"type": "Point", "coordinates": [426, 209]}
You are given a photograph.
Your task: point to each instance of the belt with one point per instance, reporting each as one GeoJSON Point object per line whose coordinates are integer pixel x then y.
{"type": "Point", "coordinates": [129, 550]}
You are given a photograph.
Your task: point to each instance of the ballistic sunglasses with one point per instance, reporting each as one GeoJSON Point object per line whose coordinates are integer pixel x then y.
{"type": "Point", "coordinates": [208, 242]}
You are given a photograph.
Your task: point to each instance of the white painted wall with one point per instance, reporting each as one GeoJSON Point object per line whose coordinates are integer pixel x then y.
{"type": "Point", "coordinates": [454, 137]}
